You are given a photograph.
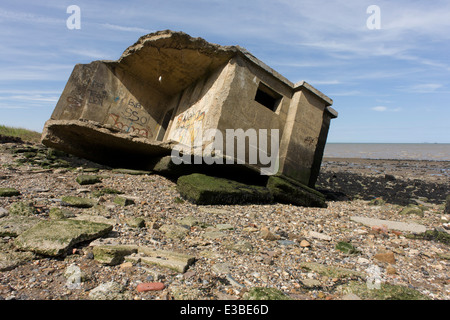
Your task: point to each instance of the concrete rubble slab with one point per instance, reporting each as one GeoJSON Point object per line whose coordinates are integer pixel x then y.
{"type": "Point", "coordinates": [395, 225]}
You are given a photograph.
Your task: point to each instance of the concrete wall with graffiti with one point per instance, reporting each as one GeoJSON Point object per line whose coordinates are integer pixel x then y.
{"type": "Point", "coordinates": [97, 93]}
{"type": "Point", "coordinates": [200, 107]}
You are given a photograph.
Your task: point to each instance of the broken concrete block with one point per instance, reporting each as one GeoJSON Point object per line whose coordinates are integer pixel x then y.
{"type": "Point", "coordinates": [13, 225]}
{"type": "Point", "coordinates": [10, 260]}
{"type": "Point", "coordinates": [286, 190]}
{"type": "Point", "coordinates": [88, 179]}
{"type": "Point", "coordinates": [57, 213]}
{"type": "Point", "coordinates": [112, 255]}
{"type": "Point", "coordinates": [174, 231]}
{"type": "Point", "coordinates": [55, 237]}
{"type": "Point", "coordinates": [396, 225]}
{"type": "Point", "coordinates": [22, 208]}
{"type": "Point", "coordinates": [176, 261]}
{"type": "Point", "coordinates": [123, 201]}
{"type": "Point", "coordinates": [203, 190]}
{"type": "Point", "coordinates": [78, 202]}
{"type": "Point", "coordinates": [9, 192]}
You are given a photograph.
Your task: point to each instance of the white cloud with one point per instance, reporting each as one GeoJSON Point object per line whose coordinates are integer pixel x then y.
{"type": "Point", "coordinates": [126, 29]}
{"type": "Point", "coordinates": [386, 109]}
{"type": "Point", "coordinates": [379, 109]}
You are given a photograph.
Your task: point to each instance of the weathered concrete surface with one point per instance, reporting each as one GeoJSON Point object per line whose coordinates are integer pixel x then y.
{"type": "Point", "coordinates": [396, 225]}
{"type": "Point", "coordinates": [169, 88]}
{"type": "Point", "coordinates": [14, 225]}
{"type": "Point", "coordinates": [55, 237]}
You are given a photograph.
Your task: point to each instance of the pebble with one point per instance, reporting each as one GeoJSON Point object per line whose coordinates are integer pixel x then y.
{"type": "Point", "coordinates": [304, 244]}
{"type": "Point", "coordinates": [320, 236]}
{"type": "Point", "coordinates": [267, 235]}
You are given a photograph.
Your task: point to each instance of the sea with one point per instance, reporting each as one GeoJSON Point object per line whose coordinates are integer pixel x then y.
{"type": "Point", "coordinates": [397, 151]}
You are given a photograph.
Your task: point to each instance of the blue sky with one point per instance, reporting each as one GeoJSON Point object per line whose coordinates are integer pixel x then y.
{"type": "Point", "coordinates": [389, 85]}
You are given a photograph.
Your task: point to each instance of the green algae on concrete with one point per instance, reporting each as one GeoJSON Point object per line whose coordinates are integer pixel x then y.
{"type": "Point", "coordinates": [22, 208]}
{"type": "Point", "coordinates": [14, 225]}
{"type": "Point", "coordinates": [55, 237]}
{"type": "Point", "coordinates": [203, 190]}
{"type": "Point", "coordinates": [286, 190]}
{"type": "Point", "coordinates": [88, 179]}
{"type": "Point", "coordinates": [385, 291]}
{"type": "Point", "coordinates": [9, 192]}
{"type": "Point", "coordinates": [78, 202]}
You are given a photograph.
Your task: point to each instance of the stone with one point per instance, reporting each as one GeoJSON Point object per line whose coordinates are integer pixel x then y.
{"type": "Point", "coordinates": [88, 179]}
{"type": "Point", "coordinates": [214, 234]}
{"type": "Point", "coordinates": [224, 226]}
{"type": "Point", "coordinates": [320, 236]}
{"type": "Point", "coordinates": [412, 209]}
{"type": "Point", "coordinates": [189, 221]}
{"type": "Point", "coordinates": [102, 192]}
{"type": "Point", "coordinates": [311, 283]}
{"type": "Point", "coordinates": [267, 235]}
{"type": "Point", "coordinates": [22, 208]}
{"type": "Point", "coordinates": [123, 201]}
{"type": "Point", "coordinates": [286, 242]}
{"type": "Point", "coordinates": [400, 226]}
{"type": "Point", "coordinates": [108, 291]}
{"type": "Point", "coordinates": [10, 260]}
{"type": "Point", "coordinates": [12, 226]}
{"type": "Point", "coordinates": [286, 190]}
{"type": "Point", "coordinates": [112, 255]}
{"type": "Point", "coordinates": [174, 231]}
{"type": "Point", "coordinates": [150, 286]}
{"type": "Point", "coordinates": [304, 244]}
{"type": "Point", "coordinates": [57, 213]}
{"type": "Point", "coordinates": [240, 246]}
{"type": "Point", "coordinates": [135, 222]}
{"type": "Point", "coordinates": [385, 256]}
{"type": "Point", "coordinates": [126, 265]}
{"type": "Point", "coordinates": [346, 247]}
{"type": "Point", "coordinates": [9, 192]}
{"type": "Point", "coordinates": [261, 293]}
{"type": "Point", "coordinates": [77, 202]}
{"type": "Point", "coordinates": [74, 276]}
{"type": "Point", "coordinates": [55, 237]}
{"type": "Point", "coordinates": [176, 261]}
{"type": "Point", "coordinates": [207, 190]}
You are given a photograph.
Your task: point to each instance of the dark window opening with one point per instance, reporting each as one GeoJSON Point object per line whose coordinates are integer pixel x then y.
{"type": "Point", "coordinates": [164, 125]}
{"type": "Point", "coordinates": [267, 97]}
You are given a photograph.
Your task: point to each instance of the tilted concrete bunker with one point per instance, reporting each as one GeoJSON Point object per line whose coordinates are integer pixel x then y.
{"type": "Point", "coordinates": [128, 112]}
